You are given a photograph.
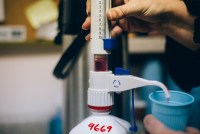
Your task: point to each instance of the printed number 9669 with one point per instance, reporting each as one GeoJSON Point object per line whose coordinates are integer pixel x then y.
{"type": "Point", "coordinates": [99, 128]}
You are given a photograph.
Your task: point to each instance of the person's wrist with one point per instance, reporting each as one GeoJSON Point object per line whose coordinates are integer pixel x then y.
{"type": "Point", "coordinates": [180, 34]}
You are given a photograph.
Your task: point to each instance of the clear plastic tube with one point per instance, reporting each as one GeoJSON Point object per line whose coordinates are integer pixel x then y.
{"type": "Point", "coordinates": [100, 62]}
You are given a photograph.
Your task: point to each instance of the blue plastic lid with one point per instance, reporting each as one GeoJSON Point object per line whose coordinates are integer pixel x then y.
{"type": "Point", "coordinates": [110, 44]}
{"type": "Point", "coordinates": [122, 71]}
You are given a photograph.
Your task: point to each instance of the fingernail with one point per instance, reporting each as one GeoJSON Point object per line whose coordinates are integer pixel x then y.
{"type": "Point", "coordinates": [147, 124]}
{"type": "Point", "coordinates": [146, 121]}
{"type": "Point", "coordinates": [83, 27]}
{"type": "Point", "coordinates": [87, 38]}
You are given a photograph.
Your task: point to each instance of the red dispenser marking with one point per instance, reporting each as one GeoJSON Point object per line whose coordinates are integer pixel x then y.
{"type": "Point", "coordinates": [101, 63]}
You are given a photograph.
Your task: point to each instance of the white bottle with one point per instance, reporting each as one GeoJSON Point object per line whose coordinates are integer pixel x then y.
{"type": "Point", "coordinates": [102, 122]}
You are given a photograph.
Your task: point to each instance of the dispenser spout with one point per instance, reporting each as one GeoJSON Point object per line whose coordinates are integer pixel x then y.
{"type": "Point", "coordinates": [107, 82]}
{"type": "Point", "coordinates": [120, 83]}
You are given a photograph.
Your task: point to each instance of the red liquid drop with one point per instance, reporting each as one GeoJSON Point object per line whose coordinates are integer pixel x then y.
{"type": "Point", "coordinates": [101, 64]}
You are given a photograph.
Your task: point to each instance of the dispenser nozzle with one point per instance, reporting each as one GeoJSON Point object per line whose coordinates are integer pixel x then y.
{"type": "Point", "coordinates": [128, 82]}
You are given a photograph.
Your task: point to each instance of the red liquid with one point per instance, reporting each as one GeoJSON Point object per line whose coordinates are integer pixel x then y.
{"type": "Point", "coordinates": [101, 63]}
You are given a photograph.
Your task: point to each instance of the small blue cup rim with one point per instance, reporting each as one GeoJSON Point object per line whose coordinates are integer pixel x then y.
{"type": "Point", "coordinates": [171, 91]}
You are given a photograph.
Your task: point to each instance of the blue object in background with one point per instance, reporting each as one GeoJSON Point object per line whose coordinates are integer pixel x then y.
{"type": "Point", "coordinates": [55, 124]}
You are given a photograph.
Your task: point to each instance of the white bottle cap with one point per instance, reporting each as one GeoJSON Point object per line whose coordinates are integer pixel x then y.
{"type": "Point", "coordinates": [99, 96]}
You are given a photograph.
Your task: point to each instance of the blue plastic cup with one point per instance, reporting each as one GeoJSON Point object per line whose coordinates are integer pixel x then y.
{"type": "Point", "coordinates": [173, 113]}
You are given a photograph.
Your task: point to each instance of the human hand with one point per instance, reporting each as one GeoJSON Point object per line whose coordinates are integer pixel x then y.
{"type": "Point", "coordinates": [87, 23]}
{"type": "Point", "coordinates": [169, 17]}
{"type": "Point", "coordinates": [154, 126]}
{"type": "Point", "coordinates": [150, 15]}
{"type": "Point", "coordinates": [142, 15]}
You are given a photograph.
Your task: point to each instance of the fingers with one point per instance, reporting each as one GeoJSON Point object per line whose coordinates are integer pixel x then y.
{"type": "Point", "coordinates": [192, 130]}
{"type": "Point", "coordinates": [154, 126]}
{"type": "Point", "coordinates": [86, 26]}
{"type": "Point", "coordinates": [88, 37]}
{"type": "Point", "coordinates": [117, 13]}
{"type": "Point", "coordinates": [116, 31]}
{"type": "Point", "coordinates": [87, 23]}
{"type": "Point", "coordinates": [88, 7]}
{"type": "Point", "coordinates": [127, 9]}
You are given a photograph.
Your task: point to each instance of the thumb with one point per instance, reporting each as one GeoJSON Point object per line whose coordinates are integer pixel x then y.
{"type": "Point", "coordinates": [130, 8]}
{"type": "Point", "coordinates": [154, 126]}
{"type": "Point", "coordinates": [118, 12]}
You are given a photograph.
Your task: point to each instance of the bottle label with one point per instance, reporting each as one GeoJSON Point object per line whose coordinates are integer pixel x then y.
{"type": "Point", "coordinates": [99, 128]}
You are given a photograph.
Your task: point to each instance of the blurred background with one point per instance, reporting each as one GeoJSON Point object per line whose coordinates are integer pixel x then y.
{"type": "Point", "coordinates": [33, 36]}
{"type": "Point", "coordinates": [30, 96]}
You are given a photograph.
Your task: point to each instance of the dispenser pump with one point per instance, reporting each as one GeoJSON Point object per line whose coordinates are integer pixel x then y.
{"type": "Point", "coordinates": [102, 86]}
